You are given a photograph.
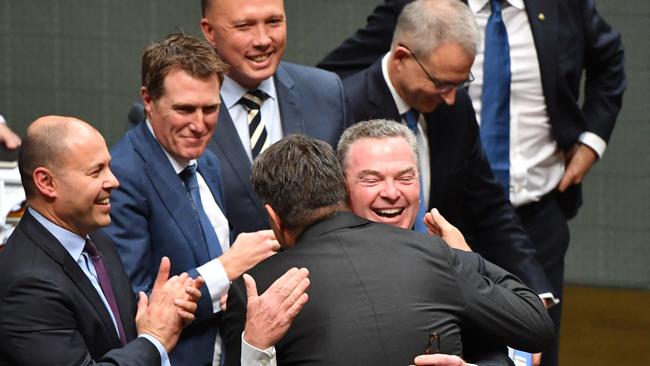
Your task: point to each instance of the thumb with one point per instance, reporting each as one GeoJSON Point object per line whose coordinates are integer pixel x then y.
{"type": "Point", "coordinates": [163, 273]}
{"type": "Point", "coordinates": [439, 220]}
{"type": "Point", "coordinates": [251, 287]}
{"type": "Point", "coordinates": [566, 181]}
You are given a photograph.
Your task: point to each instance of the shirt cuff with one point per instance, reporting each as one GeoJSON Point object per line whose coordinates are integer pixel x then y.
{"type": "Point", "coordinates": [252, 356]}
{"type": "Point", "coordinates": [164, 357]}
{"type": "Point", "coordinates": [2, 119]}
{"type": "Point", "coordinates": [594, 141]}
{"type": "Point", "coordinates": [549, 296]}
{"type": "Point", "coordinates": [216, 279]}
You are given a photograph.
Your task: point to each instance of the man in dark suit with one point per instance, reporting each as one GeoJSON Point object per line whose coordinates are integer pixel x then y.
{"type": "Point", "coordinates": [456, 177]}
{"type": "Point", "coordinates": [170, 202]}
{"type": "Point", "coordinates": [551, 44]}
{"type": "Point", "coordinates": [64, 294]}
{"type": "Point", "coordinates": [377, 291]}
{"type": "Point", "coordinates": [251, 37]}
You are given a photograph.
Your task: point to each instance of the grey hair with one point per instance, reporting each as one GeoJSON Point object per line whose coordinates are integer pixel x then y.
{"type": "Point", "coordinates": [374, 129]}
{"type": "Point", "coordinates": [424, 25]}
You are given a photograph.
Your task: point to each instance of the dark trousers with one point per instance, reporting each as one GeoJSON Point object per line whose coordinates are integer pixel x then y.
{"type": "Point", "coordinates": [547, 227]}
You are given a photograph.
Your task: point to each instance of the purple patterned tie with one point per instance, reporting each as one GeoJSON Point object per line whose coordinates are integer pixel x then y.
{"type": "Point", "coordinates": [105, 284]}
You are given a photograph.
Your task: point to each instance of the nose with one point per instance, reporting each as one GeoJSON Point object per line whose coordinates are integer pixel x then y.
{"type": "Point", "coordinates": [449, 96]}
{"type": "Point", "coordinates": [111, 182]}
{"type": "Point", "coordinates": [197, 125]}
{"type": "Point", "coordinates": [389, 191]}
{"type": "Point", "coordinates": [261, 36]}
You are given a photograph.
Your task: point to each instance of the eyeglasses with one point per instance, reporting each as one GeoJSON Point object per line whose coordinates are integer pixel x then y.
{"type": "Point", "coordinates": [442, 86]}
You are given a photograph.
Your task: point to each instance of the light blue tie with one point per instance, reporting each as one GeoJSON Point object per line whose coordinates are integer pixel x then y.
{"type": "Point", "coordinates": [411, 118]}
{"type": "Point", "coordinates": [495, 97]}
{"type": "Point", "coordinates": [188, 175]}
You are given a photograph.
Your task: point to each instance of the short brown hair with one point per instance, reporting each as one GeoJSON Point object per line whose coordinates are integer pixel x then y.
{"type": "Point", "coordinates": [178, 51]}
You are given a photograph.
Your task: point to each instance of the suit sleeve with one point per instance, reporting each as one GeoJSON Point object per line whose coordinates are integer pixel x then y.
{"type": "Point", "coordinates": [367, 44]}
{"type": "Point", "coordinates": [605, 76]}
{"type": "Point", "coordinates": [501, 307]}
{"type": "Point", "coordinates": [43, 329]}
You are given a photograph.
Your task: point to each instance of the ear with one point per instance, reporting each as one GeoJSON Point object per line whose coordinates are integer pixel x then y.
{"type": "Point", "coordinates": [398, 56]}
{"type": "Point", "coordinates": [147, 100]}
{"type": "Point", "coordinates": [276, 222]}
{"type": "Point", "coordinates": [208, 31]}
{"type": "Point", "coordinates": [44, 182]}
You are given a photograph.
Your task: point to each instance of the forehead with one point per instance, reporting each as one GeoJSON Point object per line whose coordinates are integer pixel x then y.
{"type": "Point", "coordinates": [181, 87]}
{"type": "Point", "coordinates": [380, 154]}
{"type": "Point", "coordinates": [84, 150]}
{"type": "Point", "coordinates": [450, 61]}
{"type": "Point", "coordinates": [244, 9]}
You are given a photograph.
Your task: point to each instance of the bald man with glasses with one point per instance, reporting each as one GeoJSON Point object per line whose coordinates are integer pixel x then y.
{"type": "Point", "coordinates": [421, 82]}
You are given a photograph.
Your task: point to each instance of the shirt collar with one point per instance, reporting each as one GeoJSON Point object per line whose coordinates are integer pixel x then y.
{"type": "Point", "coordinates": [176, 164]}
{"type": "Point", "coordinates": [73, 243]}
{"type": "Point", "coordinates": [402, 107]}
{"type": "Point", "coordinates": [231, 91]}
{"type": "Point", "coordinates": [477, 5]}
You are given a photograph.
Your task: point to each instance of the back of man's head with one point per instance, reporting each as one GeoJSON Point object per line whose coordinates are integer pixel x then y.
{"type": "Point", "coordinates": [300, 179]}
{"type": "Point", "coordinates": [426, 24]}
{"type": "Point", "coordinates": [178, 52]}
{"type": "Point", "coordinates": [44, 145]}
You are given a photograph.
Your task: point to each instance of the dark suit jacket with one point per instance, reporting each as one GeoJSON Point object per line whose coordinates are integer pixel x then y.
{"type": "Point", "coordinates": [572, 38]}
{"type": "Point", "coordinates": [152, 217]}
{"type": "Point", "coordinates": [311, 102]}
{"type": "Point", "coordinates": [462, 185]}
{"type": "Point", "coordinates": [51, 313]}
{"type": "Point", "coordinates": [377, 291]}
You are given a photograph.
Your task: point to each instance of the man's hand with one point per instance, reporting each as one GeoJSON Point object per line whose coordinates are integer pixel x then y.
{"type": "Point", "coordinates": [578, 162]}
{"type": "Point", "coordinates": [170, 307]}
{"type": "Point", "coordinates": [8, 138]}
{"type": "Point", "coordinates": [439, 359]}
{"type": "Point", "coordinates": [248, 250]}
{"type": "Point", "coordinates": [269, 315]}
{"type": "Point", "coordinates": [438, 225]}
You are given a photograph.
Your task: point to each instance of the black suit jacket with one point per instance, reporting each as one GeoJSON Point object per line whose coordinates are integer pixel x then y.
{"type": "Point", "coordinates": [51, 313]}
{"type": "Point", "coordinates": [377, 291]}
{"type": "Point", "coordinates": [571, 38]}
{"type": "Point", "coordinates": [462, 185]}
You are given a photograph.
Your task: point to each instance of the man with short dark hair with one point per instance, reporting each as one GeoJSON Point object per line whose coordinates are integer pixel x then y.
{"type": "Point", "coordinates": [377, 292]}
{"type": "Point", "coordinates": [64, 294]}
{"type": "Point", "coordinates": [170, 202]}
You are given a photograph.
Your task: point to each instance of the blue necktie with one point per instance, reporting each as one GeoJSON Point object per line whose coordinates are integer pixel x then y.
{"type": "Point", "coordinates": [411, 118]}
{"type": "Point", "coordinates": [188, 175]}
{"type": "Point", "coordinates": [495, 97]}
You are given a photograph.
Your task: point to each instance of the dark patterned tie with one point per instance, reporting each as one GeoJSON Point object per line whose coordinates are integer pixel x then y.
{"type": "Point", "coordinates": [495, 97]}
{"type": "Point", "coordinates": [188, 175]}
{"type": "Point", "coordinates": [252, 101]}
{"type": "Point", "coordinates": [411, 118]}
{"type": "Point", "coordinates": [105, 284]}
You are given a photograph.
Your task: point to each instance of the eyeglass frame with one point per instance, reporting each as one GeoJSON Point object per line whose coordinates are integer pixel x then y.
{"type": "Point", "coordinates": [442, 86]}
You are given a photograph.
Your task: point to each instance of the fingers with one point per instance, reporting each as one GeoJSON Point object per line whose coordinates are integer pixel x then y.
{"type": "Point", "coordinates": [251, 287]}
{"type": "Point", "coordinates": [163, 273]}
{"type": "Point", "coordinates": [142, 304]}
{"type": "Point", "coordinates": [439, 359]}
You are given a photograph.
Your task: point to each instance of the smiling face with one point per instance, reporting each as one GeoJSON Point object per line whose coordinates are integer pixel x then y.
{"type": "Point", "coordinates": [383, 181]}
{"type": "Point", "coordinates": [249, 35]}
{"type": "Point", "coordinates": [82, 184]}
{"type": "Point", "coordinates": [184, 117]}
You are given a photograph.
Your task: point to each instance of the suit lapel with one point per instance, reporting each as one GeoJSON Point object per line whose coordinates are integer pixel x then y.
{"type": "Point", "coordinates": [543, 19]}
{"type": "Point", "coordinates": [55, 250]}
{"type": "Point", "coordinates": [170, 189]}
{"type": "Point", "coordinates": [227, 142]}
{"type": "Point", "coordinates": [379, 97]}
{"type": "Point", "coordinates": [288, 101]}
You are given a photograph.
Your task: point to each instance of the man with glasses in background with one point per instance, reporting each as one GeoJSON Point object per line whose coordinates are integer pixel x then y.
{"type": "Point", "coordinates": [420, 82]}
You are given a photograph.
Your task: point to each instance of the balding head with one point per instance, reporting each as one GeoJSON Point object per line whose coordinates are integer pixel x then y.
{"type": "Point", "coordinates": [45, 145]}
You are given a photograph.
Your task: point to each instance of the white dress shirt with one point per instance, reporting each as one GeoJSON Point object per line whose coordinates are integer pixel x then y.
{"type": "Point", "coordinates": [536, 161]}
{"type": "Point", "coordinates": [232, 92]}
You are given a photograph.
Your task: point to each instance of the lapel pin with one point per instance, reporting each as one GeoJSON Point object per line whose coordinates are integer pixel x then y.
{"type": "Point", "coordinates": [541, 16]}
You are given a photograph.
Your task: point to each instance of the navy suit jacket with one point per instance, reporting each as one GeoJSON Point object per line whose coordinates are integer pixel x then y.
{"type": "Point", "coordinates": [462, 185]}
{"type": "Point", "coordinates": [311, 102]}
{"type": "Point", "coordinates": [571, 39]}
{"type": "Point", "coordinates": [51, 313]}
{"type": "Point", "coordinates": [152, 217]}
